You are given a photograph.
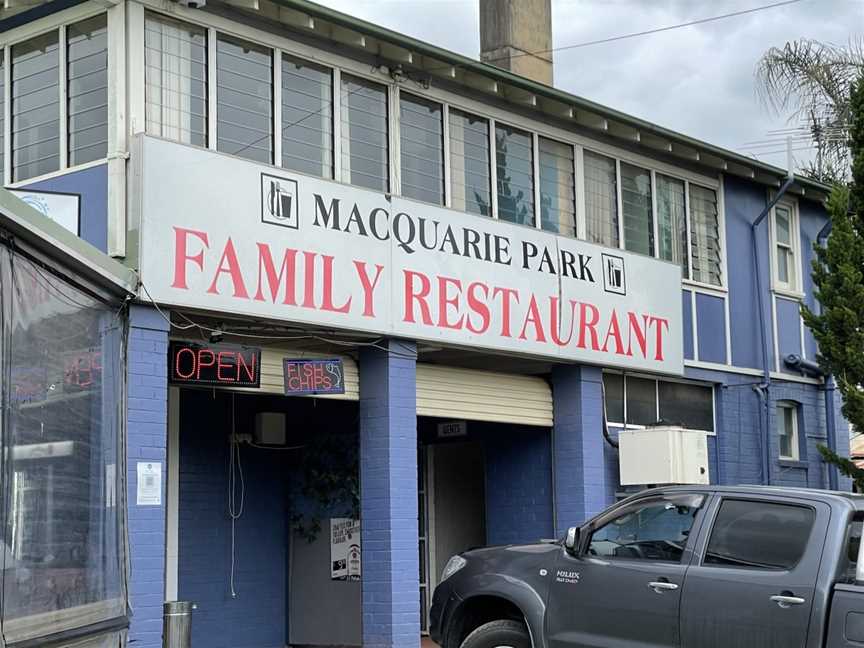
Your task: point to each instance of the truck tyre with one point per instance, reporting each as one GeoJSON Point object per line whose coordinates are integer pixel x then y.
{"type": "Point", "coordinates": [499, 634]}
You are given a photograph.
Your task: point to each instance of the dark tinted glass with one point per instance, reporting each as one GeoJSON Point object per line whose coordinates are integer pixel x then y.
{"type": "Point", "coordinates": [244, 100]}
{"type": "Point", "coordinates": [87, 62]}
{"type": "Point", "coordinates": [636, 209]}
{"type": "Point", "coordinates": [36, 107]}
{"type": "Point", "coordinates": [613, 390]}
{"type": "Point", "coordinates": [759, 535]}
{"type": "Point", "coordinates": [365, 157]}
{"type": "Point", "coordinates": [307, 117]}
{"type": "Point", "coordinates": [514, 155]}
{"type": "Point", "coordinates": [691, 406]}
{"type": "Point", "coordinates": [641, 401]}
{"type": "Point", "coordinates": [421, 149]}
{"type": "Point", "coordinates": [654, 530]}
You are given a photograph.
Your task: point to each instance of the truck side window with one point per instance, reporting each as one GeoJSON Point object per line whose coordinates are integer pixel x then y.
{"type": "Point", "coordinates": [759, 535]}
{"type": "Point", "coordinates": [653, 529]}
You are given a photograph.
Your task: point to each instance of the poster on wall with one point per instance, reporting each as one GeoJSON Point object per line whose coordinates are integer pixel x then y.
{"type": "Point", "coordinates": [344, 549]}
{"type": "Point", "coordinates": [63, 208]}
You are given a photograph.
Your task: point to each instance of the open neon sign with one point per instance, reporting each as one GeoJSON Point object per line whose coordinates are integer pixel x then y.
{"type": "Point", "coordinates": [191, 363]}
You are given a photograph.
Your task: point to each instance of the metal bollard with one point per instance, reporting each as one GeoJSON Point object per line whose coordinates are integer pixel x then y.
{"type": "Point", "coordinates": [177, 624]}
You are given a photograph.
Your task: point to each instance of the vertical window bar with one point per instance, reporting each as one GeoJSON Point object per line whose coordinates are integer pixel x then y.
{"type": "Point", "coordinates": [654, 212]}
{"type": "Point", "coordinates": [620, 203]}
{"type": "Point", "coordinates": [535, 144]}
{"type": "Point", "coordinates": [656, 400]}
{"type": "Point", "coordinates": [493, 170]}
{"type": "Point", "coordinates": [448, 192]}
{"type": "Point", "coordinates": [579, 163]}
{"type": "Point", "coordinates": [394, 119]}
{"type": "Point", "coordinates": [64, 98]}
{"type": "Point", "coordinates": [211, 89]}
{"type": "Point", "coordinates": [7, 116]}
{"type": "Point", "coordinates": [277, 108]}
{"type": "Point", "coordinates": [689, 272]}
{"type": "Point", "coordinates": [336, 102]}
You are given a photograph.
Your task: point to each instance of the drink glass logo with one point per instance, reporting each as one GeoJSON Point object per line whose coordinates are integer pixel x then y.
{"type": "Point", "coordinates": [279, 201]}
{"type": "Point", "coordinates": [613, 274]}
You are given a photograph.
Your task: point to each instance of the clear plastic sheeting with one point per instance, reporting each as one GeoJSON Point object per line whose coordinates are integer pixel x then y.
{"type": "Point", "coordinates": [62, 553]}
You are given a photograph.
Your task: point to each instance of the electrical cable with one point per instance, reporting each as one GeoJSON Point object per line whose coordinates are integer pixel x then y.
{"type": "Point", "coordinates": [235, 511]}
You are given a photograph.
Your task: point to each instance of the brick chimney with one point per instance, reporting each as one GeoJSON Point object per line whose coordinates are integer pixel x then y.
{"type": "Point", "coordinates": [511, 30]}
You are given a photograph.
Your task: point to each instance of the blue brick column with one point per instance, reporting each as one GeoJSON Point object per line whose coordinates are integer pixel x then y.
{"type": "Point", "coordinates": [582, 483]}
{"type": "Point", "coordinates": [388, 496]}
{"type": "Point", "coordinates": [146, 439]}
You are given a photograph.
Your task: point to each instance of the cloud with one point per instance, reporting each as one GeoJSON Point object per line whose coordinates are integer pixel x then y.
{"type": "Point", "coordinates": [696, 80]}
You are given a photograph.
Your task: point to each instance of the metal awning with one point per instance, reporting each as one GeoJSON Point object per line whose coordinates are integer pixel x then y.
{"type": "Point", "coordinates": [38, 232]}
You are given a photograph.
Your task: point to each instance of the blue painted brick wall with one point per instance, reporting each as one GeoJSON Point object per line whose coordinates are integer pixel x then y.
{"type": "Point", "coordinates": [256, 617]}
{"type": "Point", "coordinates": [582, 487]}
{"type": "Point", "coordinates": [388, 496]}
{"type": "Point", "coordinates": [146, 439]}
{"type": "Point", "coordinates": [518, 485]}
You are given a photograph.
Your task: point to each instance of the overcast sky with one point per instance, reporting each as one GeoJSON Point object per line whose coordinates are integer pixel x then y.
{"type": "Point", "coordinates": [696, 80]}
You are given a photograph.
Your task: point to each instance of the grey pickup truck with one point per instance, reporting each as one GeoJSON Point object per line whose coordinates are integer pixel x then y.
{"type": "Point", "coordinates": [683, 567]}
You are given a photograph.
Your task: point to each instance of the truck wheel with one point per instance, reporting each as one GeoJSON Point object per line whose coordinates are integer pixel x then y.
{"type": "Point", "coordinates": [499, 634]}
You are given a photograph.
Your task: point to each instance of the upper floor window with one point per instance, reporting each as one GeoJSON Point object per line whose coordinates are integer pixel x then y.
{"type": "Point", "coordinates": [787, 430]}
{"type": "Point", "coordinates": [637, 210]}
{"type": "Point", "coordinates": [645, 401]}
{"type": "Point", "coordinates": [785, 245]}
{"type": "Point", "coordinates": [244, 99]}
{"type": "Point", "coordinates": [514, 155]}
{"type": "Point", "coordinates": [365, 134]}
{"type": "Point", "coordinates": [557, 187]}
{"type": "Point", "coordinates": [87, 95]}
{"type": "Point", "coordinates": [705, 236]}
{"type": "Point", "coordinates": [36, 107]}
{"type": "Point", "coordinates": [470, 179]}
{"type": "Point", "coordinates": [672, 222]}
{"type": "Point", "coordinates": [601, 199]}
{"type": "Point", "coordinates": [421, 149]}
{"type": "Point", "coordinates": [175, 86]}
{"type": "Point", "coordinates": [307, 117]}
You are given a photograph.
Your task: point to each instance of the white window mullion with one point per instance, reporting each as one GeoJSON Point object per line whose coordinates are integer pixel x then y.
{"type": "Point", "coordinates": [619, 203]}
{"type": "Point", "coordinates": [655, 215]}
{"type": "Point", "coordinates": [689, 229]}
{"type": "Point", "coordinates": [394, 134]}
{"type": "Point", "coordinates": [657, 400]}
{"type": "Point", "coordinates": [445, 130]}
{"type": "Point", "coordinates": [277, 107]}
{"type": "Point", "coordinates": [337, 125]}
{"type": "Point", "coordinates": [211, 89]}
{"type": "Point", "coordinates": [493, 170]}
{"type": "Point", "coordinates": [579, 177]}
{"type": "Point", "coordinates": [7, 115]}
{"type": "Point", "coordinates": [535, 139]}
{"type": "Point", "coordinates": [64, 107]}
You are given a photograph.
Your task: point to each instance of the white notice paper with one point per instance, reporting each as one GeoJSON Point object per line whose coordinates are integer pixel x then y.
{"type": "Point", "coordinates": [149, 483]}
{"type": "Point", "coordinates": [344, 549]}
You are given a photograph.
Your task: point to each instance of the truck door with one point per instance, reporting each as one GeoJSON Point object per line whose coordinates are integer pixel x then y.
{"type": "Point", "coordinates": [753, 580]}
{"type": "Point", "coordinates": [624, 586]}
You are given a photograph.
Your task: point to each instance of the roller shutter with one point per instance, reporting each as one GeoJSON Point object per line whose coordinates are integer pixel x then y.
{"type": "Point", "coordinates": [449, 392]}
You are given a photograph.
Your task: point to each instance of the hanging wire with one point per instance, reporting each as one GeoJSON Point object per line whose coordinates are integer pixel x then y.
{"type": "Point", "coordinates": [235, 507]}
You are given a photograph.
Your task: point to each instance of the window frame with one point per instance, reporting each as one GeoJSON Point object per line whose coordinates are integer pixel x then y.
{"type": "Point", "coordinates": [449, 99]}
{"type": "Point", "coordinates": [795, 437]}
{"type": "Point", "coordinates": [794, 288]}
{"type": "Point", "coordinates": [57, 23]}
{"type": "Point", "coordinates": [714, 512]}
{"type": "Point", "coordinates": [657, 381]}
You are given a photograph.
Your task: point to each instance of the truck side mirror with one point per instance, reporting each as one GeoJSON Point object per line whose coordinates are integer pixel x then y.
{"type": "Point", "coordinates": [571, 541]}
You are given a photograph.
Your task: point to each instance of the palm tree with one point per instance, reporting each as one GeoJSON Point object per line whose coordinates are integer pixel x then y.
{"type": "Point", "coordinates": [810, 81]}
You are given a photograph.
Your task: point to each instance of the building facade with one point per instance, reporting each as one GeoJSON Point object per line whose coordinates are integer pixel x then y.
{"type": "Point", "coordinates": [380, 282]}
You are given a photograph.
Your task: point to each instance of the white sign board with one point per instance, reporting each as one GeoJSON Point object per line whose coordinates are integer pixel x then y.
{"type": "Point", "coordinates": [232, 236]}
{"type": "Point", "coordinates": [62, 208]}
{"type": "Point", "coordinates": [149, 483]}
{"type": "Point", "coordinates": [344, 549]}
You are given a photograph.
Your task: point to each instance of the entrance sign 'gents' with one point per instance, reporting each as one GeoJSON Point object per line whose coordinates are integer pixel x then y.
{"type": "Point", "coordinates": [244, 238]}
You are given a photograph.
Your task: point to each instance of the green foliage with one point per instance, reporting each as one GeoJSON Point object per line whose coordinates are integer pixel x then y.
{"type": "Point", "coordinates": [329, 479]}
{"type": "Point", "coordinates": [838, 275]}
{"type": "Point", "coordinates": [845, 465]}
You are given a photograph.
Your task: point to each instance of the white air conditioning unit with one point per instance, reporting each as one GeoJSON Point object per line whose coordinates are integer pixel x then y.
{"type": "Point", "coordinates": [663, 455]}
